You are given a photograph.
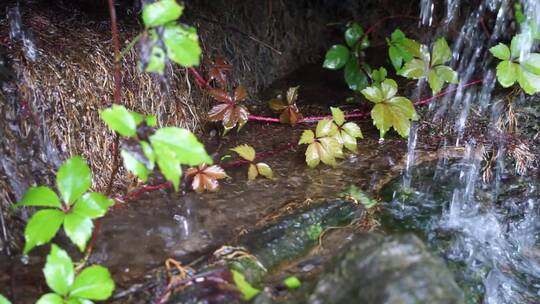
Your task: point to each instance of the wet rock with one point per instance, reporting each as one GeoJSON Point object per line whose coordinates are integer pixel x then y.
{"type": "Point", "coordinates": [393, 269]}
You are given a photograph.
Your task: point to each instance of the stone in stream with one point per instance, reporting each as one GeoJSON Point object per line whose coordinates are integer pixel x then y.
{"type": "Point", "coordinates": [262, 250]}
{"type": "Point", "coordinates": [393, 269]}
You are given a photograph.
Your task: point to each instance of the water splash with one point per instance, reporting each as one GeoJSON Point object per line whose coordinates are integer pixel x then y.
{"type": "Point", "coordinates": [17, 32]}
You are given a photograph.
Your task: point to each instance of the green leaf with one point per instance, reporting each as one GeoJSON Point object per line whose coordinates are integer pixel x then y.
{"type": "Point", "coordinates": [245, 151]}
{"type": "Point", "coordinates": [58, 270]}
{"type": "Point", "coordinates": [353, 34]}
{"type": "Point", "coordinates": [120, 120]}
{"type": "Point", "coordinates": [435, 83]}
{"type": "Point", "coordinates": [336, 57]}
{"type": "Point", "coordinates": [92, 205]}
{"type": "Point", "coordinates": [373, 94]}
{"type": "Point", "coordinates": [312, 155]}
{"type": "Point", "coordinates": [50, 298]}
{"type": "Point", "coordinates": [138, 117]}
{"type": "Point", "coordinates": [355, 77]}
{"type": "Point", "coordinates": [42, 227]}
{"type": "Point", "coordinates": [73, 179]}
{"type": "Point", "coordinates": [292, 282]}
{"type": "Point", "coordinates": [529, 82]}
{"type": "Point", "coordinates": [265, 170]}
{"type": "Point", "coordinates": [325, 127]}
{"type": "Point", "coordinates": [307, 137]}
{"type": "Point", "coordinates": [185, 145]}
{"type": "Point", "coordinates": [517, 44]}
{"type": "Point", "coordinates": [4, 300]}
{"type": "Point", "coordinates": [182, 44]}
{"type": "Point", "coordinates": [40, 197]}
{"type": "Point", "coordinates": [94, 283]}
{"type": "Point", "coordinates": [413, 69]}
{"type": "Point", "coordinates": [78, 301]}
{"type": "Point", "coordinates": [396, 113]}
{"type": "Point", "coordinates": [156, 61]}
{"type": "Point", "coordinates": [78, 228]}
{"type": "Point", "coordinates": [252, 172]}
{"type": "Point", "coordinates": [332, 149]}
{"type": "Point", "coordinates": [500, 51]}
{"type": "Point", "coordinates": [379, 75]}
{"type": "Point", "coordinates": [169, 166]}
{"type": "Point", "coordinates": [446, 74]}
{"type": "Point", "coordinates": [532, 63]}
{"type": "Point", "coordinates": [151, 120]}
{"type": "Point", "coordinates": [248, 291]}
{"type": "Point", "coordinates": [395, 57]}
{"type": "Point", "coordinates": [388, 88]}
{"type": "Point", "coordinates": [441, 52]}
{"type": "Point", "coordinates": [353, 129]}
{"type": "Point", "coordinates": [507, 73]}
{"type": "Point", "coordinates": [338, 116]}
{"type": "Point", "coordinates": [402, 49]}
{"type": "Point", "coordinates": [149, 154]}
{"type": "Point", "coordinates": [161, 12]}
{"type": "Point", "coordinates": [134, 166]}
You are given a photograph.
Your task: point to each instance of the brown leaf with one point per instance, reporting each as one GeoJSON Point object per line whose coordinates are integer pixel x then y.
{"type": "Point", "coordinates": [240, 94]}
{"type": "Point", "coordinates": [220, 95]}
{"type": "Point", "coordinates": [277, 105]}
{"type": "Point", "coordinates": [206, 178]}
{"type": "Point", "coordinates": [292, 95]}
{"type": "Point", "coordinates": [217, 113]}
{"type": "Point", "coordinates": [218, 70]}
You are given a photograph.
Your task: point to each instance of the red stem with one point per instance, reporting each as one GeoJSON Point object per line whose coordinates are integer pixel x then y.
{"type": "Point", "coordinates": [200, 80]}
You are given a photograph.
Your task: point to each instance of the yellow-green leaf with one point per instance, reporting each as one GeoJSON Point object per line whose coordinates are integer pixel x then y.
{"type": "Point", "coordinates": [507, 73]}
{"type": "Point", "coordinates": [413, 69]}
{"type": "Point", "coordinates": [325, 127]}
{"type": "Point", "coordinates": [338, 116]}
{"type": "Point", "coordinates": [265, 170]}
{"type": "Point", "coordinates": [441, 52]}
{"type": "Point", "coordinates": [500, 51]}
{"type": "Point", "coordinates": [307, 137]}
{"type": "Point", "coordinates": [252, 172]}
{"type": "Point", "coordinates": [245, 151]}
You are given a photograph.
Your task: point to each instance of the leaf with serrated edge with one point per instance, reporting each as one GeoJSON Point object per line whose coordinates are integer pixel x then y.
{"type": "Point", "coordinates": [325, 127]}
{"type": "Point", "coordinates": [58, 270]}
{"type": "Point", "coordinates": [120, 120]}
{"type": "Point", "coordinates": [182, 44]}
{"type": "Point", "coordinates": [413, 69]}
{"type": "Point", "coordinates": [307, 137]}
{"type": "Point", "coordinates": [134, 166]}
{"type": "Point", "coordinates": [245, 151]}
{"type": "Point", "coordinates": [435, 83]}
{"type": "Point", "coordinates": [40, 197]}
{"type": "Point", "coordinates": [441, 52]}
{"type": "Point", "coordinates": [94, 283]}
{"type": "Point", "coordinates": [312, 155]}
{"type": "Point", "coordinates": [92, 205]}
{"type": "Point", "coordinates": [373, 94]}
{"type": "Point", "coordinates": [161, 12]}
{"type": "Point", "coordinates": [42, 227]}
{"type": "Point", "coordinates": [446, 74]}
{"type": "Point", "coordinates": [184, 144]}
{"type": "Point", "coordinates": [78, 228]}
{"type": "Point", "coordinates": [500, 51]}
{"type": "Point", "coordinates": [73, 179]}
{"type": "Point", "coordinates": [507, 73]}
{"type": "Point", "coordinates": [338, 116]}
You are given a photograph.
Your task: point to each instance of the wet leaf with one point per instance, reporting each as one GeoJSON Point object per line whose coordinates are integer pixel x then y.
{"type": "Point", "coordinates": [379, 75]}
{"type": "Point", "coordinates": [182, 44]}
{"type": "Point", "coordinates": [206, 177]}
{"type": "Point", "coordinates": [435, 72]}
{"type": "Point", "coordinates": [161, 12]}
{"type": "Point", "coordinates": [40, 197]}
{"type": "Point", "coordinates": [94, 283]}
{"type": "Point", "coordinates": [289, 111]}
{"type": "Point", "coordinates": [92, 205]}
{"type": "Point", "coordinates": [248, 291]}
{"type": "Point", "coordinates": [217, 70]}
{"type": "Point", "coordinates": [507, 73]}
{"type": "Point", "coordinates": [265, 170]}
{"type": "Point", "coordinates": [353, 34]}
{"type": "Point", "coordinates": [229, 112]}
{"type": "Point", "coordinates": [402, 49]}
{"type": "Point", "coordinates": [325, 127]}
{"type": "Point", "coordinates": [441, 52]}
{"type": "Point", "coordinates": [396, 112]}
{"type": "Point", "coordinates": [42, 227]}
{"type": "Point", "coordinates": [134, 166]}
{"type": "Point", "coordinates": [518, 43]}
{"type": "Point", "coordinates": [336, 57]}
{"type": "Point", "coordinates": [359, 196]}
{"type": "Point", "coordinates": [324, 148]}
{"type": "Point", "coordinates": [169, 166]}
{"type": "Point", "coordinates": [187, 149]}
{"type": "Point", "coordinates": [245, 151]}
{"type": "Point", "coordinates": [78, 228]}
{"type": "Point", "coordinates": [355, 77]}
{"type": "Point", "coordinates": [292, 282]}
{"type": "Point", "coordinates": [307, 137]}
{"type": "Point", "coordinates": [120, 120]}
{"type": "Point", "coordinates": [532, 63]}
{"type": "Point", "coordinates": [500, 51]}
{"type": "Point", "coordinates": [156, 61]}
{"type": "Point", "coordinates": [529, 82]}
{"type": "Point", "coordinates": [50, 298]}
{"type": "Point", "coordinates": [338, 116]}
{"type": "Point", "coordinates": [58, 270]}
{"type": "Point", "coordinates": [252, 172]}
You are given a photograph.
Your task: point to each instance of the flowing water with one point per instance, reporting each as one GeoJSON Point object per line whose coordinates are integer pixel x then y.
{"type": "Point", "coordinates": [487, 228]}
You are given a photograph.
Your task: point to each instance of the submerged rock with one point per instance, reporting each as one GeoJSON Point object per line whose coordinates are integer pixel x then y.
{"type": "Point", "coordinates": [392, 269]}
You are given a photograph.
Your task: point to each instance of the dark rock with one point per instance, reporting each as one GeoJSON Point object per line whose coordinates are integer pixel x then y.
{"type": "Point", "coordinates": [393, 269]}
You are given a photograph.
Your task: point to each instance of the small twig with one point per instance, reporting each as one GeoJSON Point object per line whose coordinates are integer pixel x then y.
{"type": "Point", "coordinates": [128, 47]}
{"type": "Point", "coordinates": [200, 80]}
